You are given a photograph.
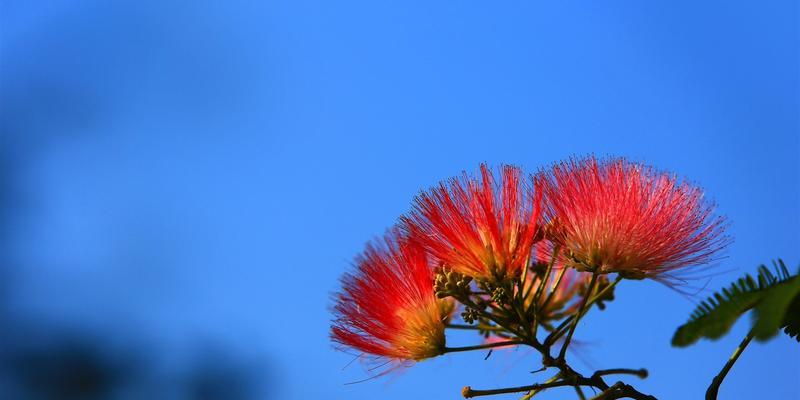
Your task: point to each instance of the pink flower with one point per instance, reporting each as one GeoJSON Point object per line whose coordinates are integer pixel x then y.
{"type": "Point", "coordinates": [477, 226]}
{"type": "Point", "coordinates": [617, 216]}
{"type": "Point", "coordinates": [387, 307]}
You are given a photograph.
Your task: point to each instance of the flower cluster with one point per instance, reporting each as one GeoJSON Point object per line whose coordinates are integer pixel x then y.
{"type": "Point", "coordinates": [519, 252]}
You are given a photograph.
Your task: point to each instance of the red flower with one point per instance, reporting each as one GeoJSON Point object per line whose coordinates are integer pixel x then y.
{"type": "Point", "coordinates": [387, 307]}
{"type": "Point", "coordinates": [475, 226]}
{"type": "Point", "coordinates": [618, 216]}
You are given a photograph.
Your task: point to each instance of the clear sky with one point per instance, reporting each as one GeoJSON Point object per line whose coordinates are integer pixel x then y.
{"type": "Point", "coordinates": [178, 173]}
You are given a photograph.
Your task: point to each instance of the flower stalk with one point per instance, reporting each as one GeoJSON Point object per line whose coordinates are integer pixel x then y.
{"type": "Point", "coordinates": [483, 346]}
{"type": "Point", "coordinates": [713, 389]}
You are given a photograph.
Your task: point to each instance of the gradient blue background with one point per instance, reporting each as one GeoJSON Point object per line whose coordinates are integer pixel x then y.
{"type": "Point", "coordinates": [191, 175]}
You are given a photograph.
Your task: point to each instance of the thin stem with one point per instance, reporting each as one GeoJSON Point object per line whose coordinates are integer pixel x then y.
{"type": "Point", "coordinates": [560, 330]}
{"type": "Point", "coordinates": [524, 278]}
{"type": "Point", "coordinates": [713, 389]}
{"type": "Point", "coordinates": [579, 391]}
{"type": "Point", "coordinates": [483, 346]}
{"type": "Point", "coordinates": [533, 392]}
{"type": "Point", "coordinates": [478, 327]}
{"type": "Point", "coordinates": [608, 393]}
{"type": "Point", "coordinates": [641, 373]}
{"type": "Point", "coordinates": [555, 287]}
{"type": "Point", "coordinates": [542, 285]}
{"type": "Point", "coordinates": [469, 392]}
{"type": "Point", "coordinates": [519, 308]}
{"type": "Point", "coordinates": [496, 330]}
{"type": "Point", "coordinates": [620, 390]}
{"type": "Point", "coordinates": [589, 292]}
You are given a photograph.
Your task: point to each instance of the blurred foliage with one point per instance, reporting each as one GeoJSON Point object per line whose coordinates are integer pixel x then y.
{"type": "Point", "coordinates": [43, 362]}
{"type": "Point", "coordinates": [774, 294]}
{"type": "Point", "coordinates": [65, 368]}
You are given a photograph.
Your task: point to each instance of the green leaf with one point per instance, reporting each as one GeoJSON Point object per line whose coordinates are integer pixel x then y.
{"type": "Point", "coordinates": [714, 317]}
{"type": "Point", "coordinates": [773, 312]}
{"type": "Point", "coordinates": [791, 321]}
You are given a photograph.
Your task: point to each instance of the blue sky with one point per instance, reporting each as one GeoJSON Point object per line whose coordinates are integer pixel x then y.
{"type": "Point", "coordinates": [191, 172]}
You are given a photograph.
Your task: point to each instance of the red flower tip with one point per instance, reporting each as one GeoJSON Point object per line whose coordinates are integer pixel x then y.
{"type": "Point", "coordinates": [478, 226]}
{"type": "Point", "coordinates": [387, 307]}
{"type": "Point", "coordinates": [617, 216]}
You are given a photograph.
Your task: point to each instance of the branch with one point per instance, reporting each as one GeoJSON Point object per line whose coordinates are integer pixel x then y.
{"type": "Point", "coordinates": [641, 373]}
{"type": "Point", "coordinates": [533, 392]}
{"type": "Point", "coordinates": [713, 389]}
{"type": "Point", "coordinates": [478, 327]}
{"type": "Point", "coordinates": [620, 390]}
{"type": "Point", "coordinates": [469, 392]}
{"type": "Point", "coordinates": [483, 346]}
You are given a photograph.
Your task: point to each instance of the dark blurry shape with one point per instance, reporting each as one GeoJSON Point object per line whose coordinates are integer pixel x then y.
{"type": "Point", "coordinates": [217, 376]}
{"type": "Point", "coordinates": [65, 368]}
{"type": "Point", "coordinates": [41, 363]}
{"type": "Point", "coordinates": [73, 371]}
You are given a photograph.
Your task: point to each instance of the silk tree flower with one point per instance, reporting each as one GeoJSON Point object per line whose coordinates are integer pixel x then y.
{"type": "Point", "coordinates": [618, 216]}
{"type": "Point", "coordinates": [477, 226]}
{"type": "Point", "coordinates": [387, 307]}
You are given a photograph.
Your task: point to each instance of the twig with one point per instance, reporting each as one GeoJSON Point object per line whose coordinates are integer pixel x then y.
{"type": "Point", "coordinates": [483, 346]}
{"type": "Point", "coordinates": [608, 393]}
{"type": "Point", "coordinates": [550, 295]}
{"type": "Point", "coordinates": [641, 373]}
{"type": "Point", "coordinates": [620, 390]}
{"type": "Point", "coordinates": [542, 284]}
{"type": "Point", "coordinates": [478, 327]}
{"type": "Point", "coordinates": [713, 389]}
{"type": "Point", "coordinates": [589, 291]}
{"type": "Point", "coordinates": [533, 392]}
{"type": "Point", "coordinates": [469, 392]}
{"type": "Point", "coordinates": [560, 330]}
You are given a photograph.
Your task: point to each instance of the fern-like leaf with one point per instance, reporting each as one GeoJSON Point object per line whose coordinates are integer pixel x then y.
{"type": "Point", "coordinates": [778, 309]}
{"type": "Point", "coordinates": [715, 316]}
{"type": "Point", "coordinates": [791, 321]}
